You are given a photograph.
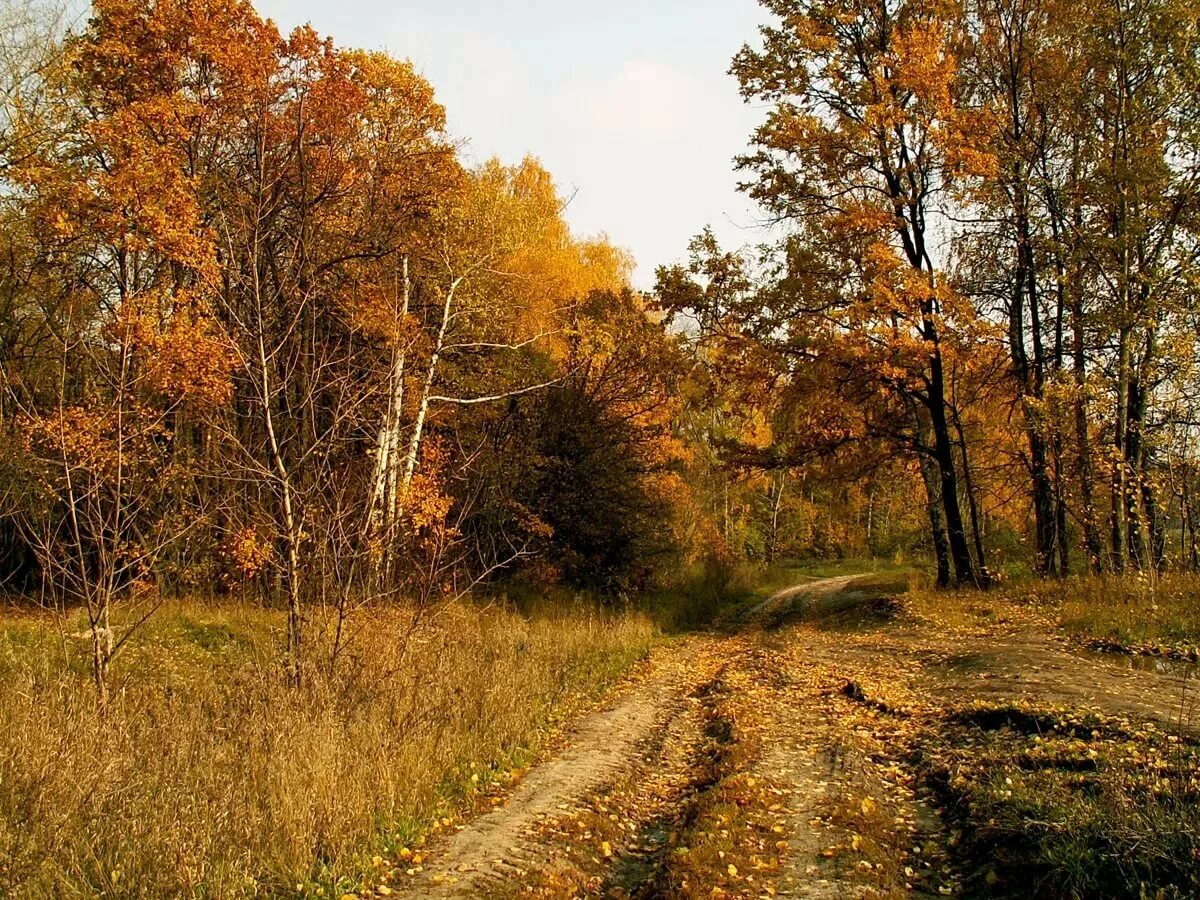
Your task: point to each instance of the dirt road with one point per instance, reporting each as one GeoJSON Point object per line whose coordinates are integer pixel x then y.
{"type": "Point", "coordinates": [641, 739]}
{"type": "Point", "coordinates": [775, 760]}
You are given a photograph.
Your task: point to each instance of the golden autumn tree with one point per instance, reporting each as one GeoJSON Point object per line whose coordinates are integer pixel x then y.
{"type": "Point", "coordinates": [489, 299]}
{"type": "Point", "coordinates": [130, 275]}
{"type": "Point", "coordinates": [1137, 220]}
{"type": "Point", "coordinates": [1019, 60]}
{"type": "Point", "coordinates": [989, 217]}
{"type": "Point", "coordinates": [226, 212]}
{"type": "Point", "coordinates": [1081, 242]}
{"type": "Point", "coordinates": [863, 137]}
{"type": "Point", "coordinates": [323, 198]}
{"type": "Point", "coordinates": [283, 277]}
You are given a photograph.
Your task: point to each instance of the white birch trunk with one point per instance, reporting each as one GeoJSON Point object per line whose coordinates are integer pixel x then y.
{"type": "Point", "coordinates": [414, 443]}
{"type": "Point", "coordinates": [385, 479]}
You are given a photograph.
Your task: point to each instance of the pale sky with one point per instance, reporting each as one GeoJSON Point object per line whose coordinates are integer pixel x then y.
{"type": "Point", "coordinates": [627, 103]}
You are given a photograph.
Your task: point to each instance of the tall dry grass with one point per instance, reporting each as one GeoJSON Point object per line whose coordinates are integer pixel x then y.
{"type": "Point", "coordinates": [208, 776]}
{"type": "Point", "coordinates": [1137, 608]}
{"type": "Point", "coordinates": [1142, 610]}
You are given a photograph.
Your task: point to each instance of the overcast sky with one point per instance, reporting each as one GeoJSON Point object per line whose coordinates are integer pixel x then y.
{"type": "Point", "coordinates": [627, 103]}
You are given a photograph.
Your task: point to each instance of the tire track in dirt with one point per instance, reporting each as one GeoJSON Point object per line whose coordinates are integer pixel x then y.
{"type": "Point", "coordinates": [648, 758]}
{"type": "Point", "coordinates": [777, 607]}
{"type": "Point", "coordinates": [646, 733]}
{"type": "Point", "coordinates": [639, 778]}
{"type": "Point", "coordinates": [847, 800]}
{"type": "Point", "coordinates": [818, 765]}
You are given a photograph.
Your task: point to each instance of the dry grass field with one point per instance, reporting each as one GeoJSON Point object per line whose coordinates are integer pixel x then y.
{"type": "Point", "coordinates": [211, 777]}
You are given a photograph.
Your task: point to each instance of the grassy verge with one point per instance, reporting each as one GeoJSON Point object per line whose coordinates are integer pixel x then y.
{"type": "Point", "coordinates": [1054, 804]}
{"type": "Point", "coordinates": [1132, 611]}
{"type": "Point", "coordinates": [210, 777]}
{"type": "Point", "coordinates": [1143, 614]}
{"type": "Point", "coordinates": [969, 610]}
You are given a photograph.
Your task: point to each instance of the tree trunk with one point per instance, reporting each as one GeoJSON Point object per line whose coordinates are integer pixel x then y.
{"type": "Point", "coordinates": [102, 647]}
{"type": "Point", "coordinates": [283, 478]}
{"type": "Point", "coordinates": [778, 484]}
{"type": "Point", "coordinates": [1117, 516]}
{"type": "Point", "coordinates": [418, 430]}
{"type": "Point", "coordinates": [1045, 530]}
{"type": "Point", "coordinates": [1030, 378]}
{"type": "Point", "coordinates": [871, 520]}
{"type": "Point", "coordinates": [1135, 520]}
{"type": "Point", "coordinates": [386, 475]}
{"type": "Point", "coordinates": [1189, 517]}
{"type": "Point", "coordinates": [1156, 525]}
{"type": "Point", "coordinates": [1060, 508]}
{"type": "Point", "coordinates": [943, 449]}
{"type": "Point", "coordinates": [972, 502]}
{"type": "Point", "coordinates": [1083, 444]}
{"type": "Point", "coordinates": [937, 524]}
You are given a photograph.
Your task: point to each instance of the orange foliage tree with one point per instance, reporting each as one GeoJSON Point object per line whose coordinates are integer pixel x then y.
{"type": "Point", "coordinates": [265, 295]}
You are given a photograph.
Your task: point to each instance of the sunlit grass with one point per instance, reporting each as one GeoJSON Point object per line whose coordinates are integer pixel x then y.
{"type": "Point", "coordinates": [1135, 610]}
{"type": "Point", "coordinates": [209, 776]}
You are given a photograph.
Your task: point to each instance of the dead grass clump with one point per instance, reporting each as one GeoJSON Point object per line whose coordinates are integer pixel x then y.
{"type": "Point", "coordinates": [209, 776]}
{"type": "Point", "coordinates": [1134, 610]}
{"type": "Point", "coordinates": [1143, 612]}
{"type": "Point", "coordinates": [1007, 608]}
